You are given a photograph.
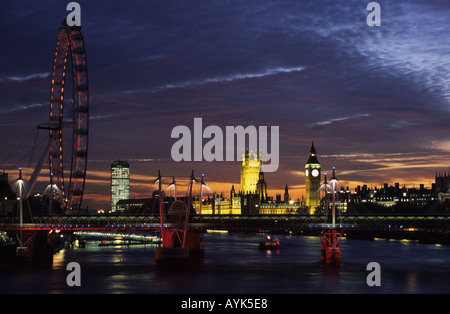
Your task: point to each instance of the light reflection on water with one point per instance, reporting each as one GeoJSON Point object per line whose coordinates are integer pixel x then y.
{"type": "Point", "coordinates": [234, 264]}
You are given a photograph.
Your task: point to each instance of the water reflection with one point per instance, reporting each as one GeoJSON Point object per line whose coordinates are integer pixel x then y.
{"type": "Point", "coordinates": [234, 263]}
{"type": "Point", "coordinates": [59, 260]}
{"type": "Point", "coordinates": [412, 282]}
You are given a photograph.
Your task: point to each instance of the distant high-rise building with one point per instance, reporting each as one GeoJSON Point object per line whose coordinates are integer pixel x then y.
{"type": "Point", "coordinates": [312, 180]}
{"type": "Point", "coordinates": [120, 182]}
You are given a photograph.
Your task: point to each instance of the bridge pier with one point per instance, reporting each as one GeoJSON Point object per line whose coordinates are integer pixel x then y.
{"type": "Point", "coordinates": [180, 245]}
{"type": "Point", "coordinates": [330, 241]}
{"type": "Point", "coordinates": [173, 254]}
{"type": "Point", "coordinates": [42, 252]}
{"type": "Point", "coordinates": [33, 248]}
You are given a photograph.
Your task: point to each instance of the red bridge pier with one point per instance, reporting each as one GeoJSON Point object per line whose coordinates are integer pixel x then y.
{"type": "Point", "coordinates": [173, 252]}
{"type": "Point", "coordinates": [330, 241]}
{"type": "Point", "coordinates": [180, 246]}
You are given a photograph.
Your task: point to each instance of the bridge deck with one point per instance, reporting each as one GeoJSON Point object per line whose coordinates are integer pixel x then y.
{"type": "Point", "coordinates": [233, 222]}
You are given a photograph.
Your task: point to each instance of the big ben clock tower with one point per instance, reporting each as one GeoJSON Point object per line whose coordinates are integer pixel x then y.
{"type": "Point", "coordinates": [312, 180]}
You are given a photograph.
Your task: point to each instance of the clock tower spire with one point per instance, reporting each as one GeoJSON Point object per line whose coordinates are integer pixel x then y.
{"type": "Point", "coordinates": [312, 180]}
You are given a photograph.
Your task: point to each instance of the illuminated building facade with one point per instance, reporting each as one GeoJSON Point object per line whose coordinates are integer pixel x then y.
{"type": "Point", "coordinates": [395, 195]}
{"type": "Point", "coordinates": [250, 169]}
{"type": "Point", "coordinates": [120, 182]}
{"type": "Point", "coordinates": [312, 180]}
{"type": "Point", "coordinates": [235, 202]}
{"type": "Point", "coordinates": [219, 204]}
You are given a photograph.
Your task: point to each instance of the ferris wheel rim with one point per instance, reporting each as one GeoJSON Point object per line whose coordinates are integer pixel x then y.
{"type": "Point", "coordinates": [70, 40]}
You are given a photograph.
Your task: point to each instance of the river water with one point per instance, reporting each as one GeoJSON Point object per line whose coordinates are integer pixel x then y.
{"type": "Point", "coordinates": [233, 264]}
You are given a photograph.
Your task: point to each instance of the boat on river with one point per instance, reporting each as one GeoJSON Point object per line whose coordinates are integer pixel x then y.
{"type": "Point", "coordinates": [270, 244]}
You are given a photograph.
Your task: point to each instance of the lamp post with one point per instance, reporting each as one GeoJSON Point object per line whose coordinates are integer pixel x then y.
{"type": "Point", "coordinates": [201, 192]}
{"type": "Point", "coordinates": [333, 182]}
{"type": "Point", "coordinates": [325, 188]}
{"type": "Point", "coordinates": [50, 202]}
{"type": "Point", "coordinates": [20, 198]}
{"type": "Point", "coordinates": [20, 184]}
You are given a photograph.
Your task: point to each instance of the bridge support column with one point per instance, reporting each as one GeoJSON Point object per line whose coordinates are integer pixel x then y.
{"type": "Point", "coordinates": [173, 254]}
{"type": "Point", "coordinates": [330, 241]}
{"type": "Point", "coordinates": [36, 248]}
{"type": "Point", "coordinates": [42, 252]}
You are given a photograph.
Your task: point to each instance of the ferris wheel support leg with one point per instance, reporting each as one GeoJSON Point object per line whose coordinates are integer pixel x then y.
{"type": "Point", "coordinates": [37, 170]}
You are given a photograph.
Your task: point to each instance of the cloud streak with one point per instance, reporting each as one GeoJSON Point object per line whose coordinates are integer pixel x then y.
{"type": "Point", "coordinates": [217, 79]}
{"type": "Point", "coordinates": [23, 78]}
{"type": "Point", "coordinates": [20, 108]}
{"type": "Point", "coordinates": [333, 120]}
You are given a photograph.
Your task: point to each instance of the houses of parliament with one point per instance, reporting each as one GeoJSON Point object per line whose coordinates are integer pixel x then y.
{"type": "Point", "coordinates": [253, 198]}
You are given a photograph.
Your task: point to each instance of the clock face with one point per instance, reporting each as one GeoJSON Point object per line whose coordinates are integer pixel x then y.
{"type": "Point", "coordinates": [315, 173]}
{"type": "Point", "coordinates": [306, 172]}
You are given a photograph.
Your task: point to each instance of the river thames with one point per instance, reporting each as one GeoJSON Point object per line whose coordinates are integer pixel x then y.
{"type": "Point", "coordinates": [234, 264]}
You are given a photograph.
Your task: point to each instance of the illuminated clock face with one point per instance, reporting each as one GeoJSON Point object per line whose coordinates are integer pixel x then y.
{"type": "Point", "coordinates": [315, 173]}
{"type": "Point", "coordinates": [306, 172]}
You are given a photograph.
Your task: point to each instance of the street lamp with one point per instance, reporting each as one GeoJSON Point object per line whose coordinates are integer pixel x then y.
{"type": "Point", "coordinates": [333, 182]}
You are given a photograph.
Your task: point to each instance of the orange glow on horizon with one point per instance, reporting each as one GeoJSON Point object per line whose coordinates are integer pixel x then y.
{"type": "Point", "coordinates": [373, 170]}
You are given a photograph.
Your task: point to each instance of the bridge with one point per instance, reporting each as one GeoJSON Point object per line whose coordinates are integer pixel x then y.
{"type": "Point", "coordinates": [38, 236]}
{"type": "Point", "coordinates": [282, 223]}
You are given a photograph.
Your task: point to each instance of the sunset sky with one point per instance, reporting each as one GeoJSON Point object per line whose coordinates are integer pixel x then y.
{"type": "Point", "coordinates": [375, 100]}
